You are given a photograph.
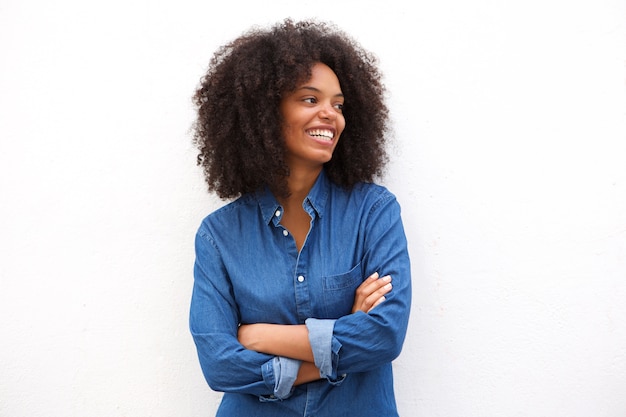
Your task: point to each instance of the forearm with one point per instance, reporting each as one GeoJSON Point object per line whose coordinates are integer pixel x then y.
{"type": "Point", "coordinates": [227, 367]}
{"type": "Point", "coordinates": [372, 339]}
{"type": "Point", "coordinates": [367, 340]}
{"type": "Point", "coordinates": [293, 340]}
{"type": "Point", "coordinates": [290, 341]}
{"type": "Point", "coordinates": [308, 373]}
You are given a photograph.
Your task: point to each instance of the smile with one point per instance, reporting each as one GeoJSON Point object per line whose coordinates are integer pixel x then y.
{"type": "Point", "coordinates": [325, 134]}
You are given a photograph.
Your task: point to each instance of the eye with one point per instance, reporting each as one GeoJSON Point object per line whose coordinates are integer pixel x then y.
{"type": "Point", "coordinates": [339, 107]}
{"type": "Point", "coordinates": [310, 100]}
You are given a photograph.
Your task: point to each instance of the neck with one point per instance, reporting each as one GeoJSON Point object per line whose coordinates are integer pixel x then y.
{"type": "Point", "coordinates": [299, 183]}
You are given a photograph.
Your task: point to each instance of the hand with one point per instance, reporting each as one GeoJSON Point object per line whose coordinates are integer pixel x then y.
{"type": "Point", "coordinates": [371, 293]}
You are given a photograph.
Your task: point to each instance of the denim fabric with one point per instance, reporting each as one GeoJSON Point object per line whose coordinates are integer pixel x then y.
{"type": "Point", "coordinates": [321, 339]}
{"type": "Point", "coordinates": [248, 270]}
{"type": "Point", "coordinates": [286, 371]}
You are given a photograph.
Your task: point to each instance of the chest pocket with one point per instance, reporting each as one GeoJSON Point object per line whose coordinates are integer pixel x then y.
{"type": "Point", "coordinates": [339, 292]}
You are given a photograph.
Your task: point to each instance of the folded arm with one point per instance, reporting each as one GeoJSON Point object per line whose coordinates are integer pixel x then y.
{"type": "Point", "coordinates": [293, 340]}
{"type": "Point", "coordinates": [375, 332]}
{"type": "Point", "coordinates": [227, 366]}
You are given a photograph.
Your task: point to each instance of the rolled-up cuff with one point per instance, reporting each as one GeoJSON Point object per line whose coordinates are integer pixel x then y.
{"type": "Point", "coordinates": [280, 373]}
{"type": "Point", "coordinates": [325, 348]}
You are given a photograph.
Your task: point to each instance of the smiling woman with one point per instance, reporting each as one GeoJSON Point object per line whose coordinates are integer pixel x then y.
{"type": "Point", "coordinates": [313, 120]}
{"type": "Point", "coordinates": [293, 310]}
{"type": "Point", "coordinates": [239, 125]}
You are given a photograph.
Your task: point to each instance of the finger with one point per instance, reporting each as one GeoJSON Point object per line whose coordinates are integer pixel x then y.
{"type": "Point", "coordinates": [370, 279]}
{"type": "Point", "coordinates": [370, 286]}
{"type": "Point", "coordinates": [379, 286]}
{"type": "Point", "coordinates": [380, 292]}
{"type": "Point", "coordinates": [374, 298]}
{"type": "Point", "coordinates": [369, 291]}
{"type": "Point", "coordinates": [380, 300]}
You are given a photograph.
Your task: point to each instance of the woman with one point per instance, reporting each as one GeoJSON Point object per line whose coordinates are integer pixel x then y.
{"type": "Point", "coordinates": [293, 310]}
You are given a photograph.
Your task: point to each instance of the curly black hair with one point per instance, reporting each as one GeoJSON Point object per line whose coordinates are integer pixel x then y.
{"type": "Point", "coordinates": [238, 130]}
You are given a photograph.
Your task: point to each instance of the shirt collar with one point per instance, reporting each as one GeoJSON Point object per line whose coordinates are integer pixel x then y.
{"type": "Point", "coordinates": [316, 199]}
{"type": "Point", "coordinates": [318, 196]}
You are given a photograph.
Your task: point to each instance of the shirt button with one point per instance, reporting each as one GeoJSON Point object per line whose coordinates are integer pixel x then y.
{"type": "Point", "coordinates": [277, 214]}
{"type": "Point", "coordinates": [300, 278]}
{"type": "Point", "coordinates": [285, 233]}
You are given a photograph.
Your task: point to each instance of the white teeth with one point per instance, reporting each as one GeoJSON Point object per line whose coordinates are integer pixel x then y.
{"type": "Point", "coordinates": [321, 133]}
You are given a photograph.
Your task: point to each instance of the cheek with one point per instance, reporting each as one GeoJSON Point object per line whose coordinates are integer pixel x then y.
{"type": "Point", "coordinates": [286, 130]}
{"type": "Point", "coordinates": [341, 126]}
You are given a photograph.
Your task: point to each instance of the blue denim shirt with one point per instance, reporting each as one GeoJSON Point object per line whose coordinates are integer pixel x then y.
{"type": "Point", "coordinates": [248, 270]}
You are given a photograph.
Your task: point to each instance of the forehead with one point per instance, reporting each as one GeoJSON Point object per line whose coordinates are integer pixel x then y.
{"type": "Point", "coordinates": [321, 76]}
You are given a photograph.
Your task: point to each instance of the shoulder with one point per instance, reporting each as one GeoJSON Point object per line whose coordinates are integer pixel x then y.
{"type": "Point", "coordinates": [371, 194]}
{"type": "Point", "coordinates": [364, 200]}
{"type": "Point", "coordinates": [223, 217]}
{"type": "Point", "coordinates": [372, 190]}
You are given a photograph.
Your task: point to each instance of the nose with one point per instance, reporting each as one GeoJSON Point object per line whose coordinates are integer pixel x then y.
{"type": "Point", "coordinates": [327, 112]}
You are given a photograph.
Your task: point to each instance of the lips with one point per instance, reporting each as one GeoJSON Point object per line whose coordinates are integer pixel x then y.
{"type": "Point", "coordinates": [324, 134]}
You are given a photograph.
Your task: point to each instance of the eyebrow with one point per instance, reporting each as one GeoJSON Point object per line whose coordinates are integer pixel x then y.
{"type": "Point", "coordinates": [317, 90]}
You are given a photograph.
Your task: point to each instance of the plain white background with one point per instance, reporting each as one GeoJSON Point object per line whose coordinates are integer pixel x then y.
{"type": "Point", "coordinates": [508, 160]}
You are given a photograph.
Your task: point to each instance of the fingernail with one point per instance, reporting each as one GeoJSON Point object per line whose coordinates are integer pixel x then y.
{"type": "Point", "coordinates": [387, 278]}
{"type": "Point", "coordinates": [374, 275]}
{"type": "Point", "coordinates": [387, 287]}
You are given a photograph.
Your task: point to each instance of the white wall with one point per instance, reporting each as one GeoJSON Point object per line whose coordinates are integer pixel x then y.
{"type": "Point", "coordinates": [509, 165]}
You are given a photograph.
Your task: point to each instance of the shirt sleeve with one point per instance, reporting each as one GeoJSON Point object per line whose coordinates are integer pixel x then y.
{"type": "Point", "coordinates": [213, 320]}
{"type": "Point", "coordinates": [367, 340]}
{"type": "Point", "coordinates": [325, 348]}
{"type": "Point", "coordinates": [285, 372]}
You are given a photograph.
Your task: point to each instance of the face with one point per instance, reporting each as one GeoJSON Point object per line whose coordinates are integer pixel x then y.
{"type": "Point", "coordinates": [313, 119]}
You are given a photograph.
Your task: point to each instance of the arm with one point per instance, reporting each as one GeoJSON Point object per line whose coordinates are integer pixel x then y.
{"type": "Point", "coordinates": [213, 320]}
{"type": "Point", "coordinates": [308, 373]}
{"type": "Point", "coordinates": [293, 340]}
{"type": "Point", "coordinates": [363, 340]}
{"type": "Point", "coordinates": [358, 342]}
